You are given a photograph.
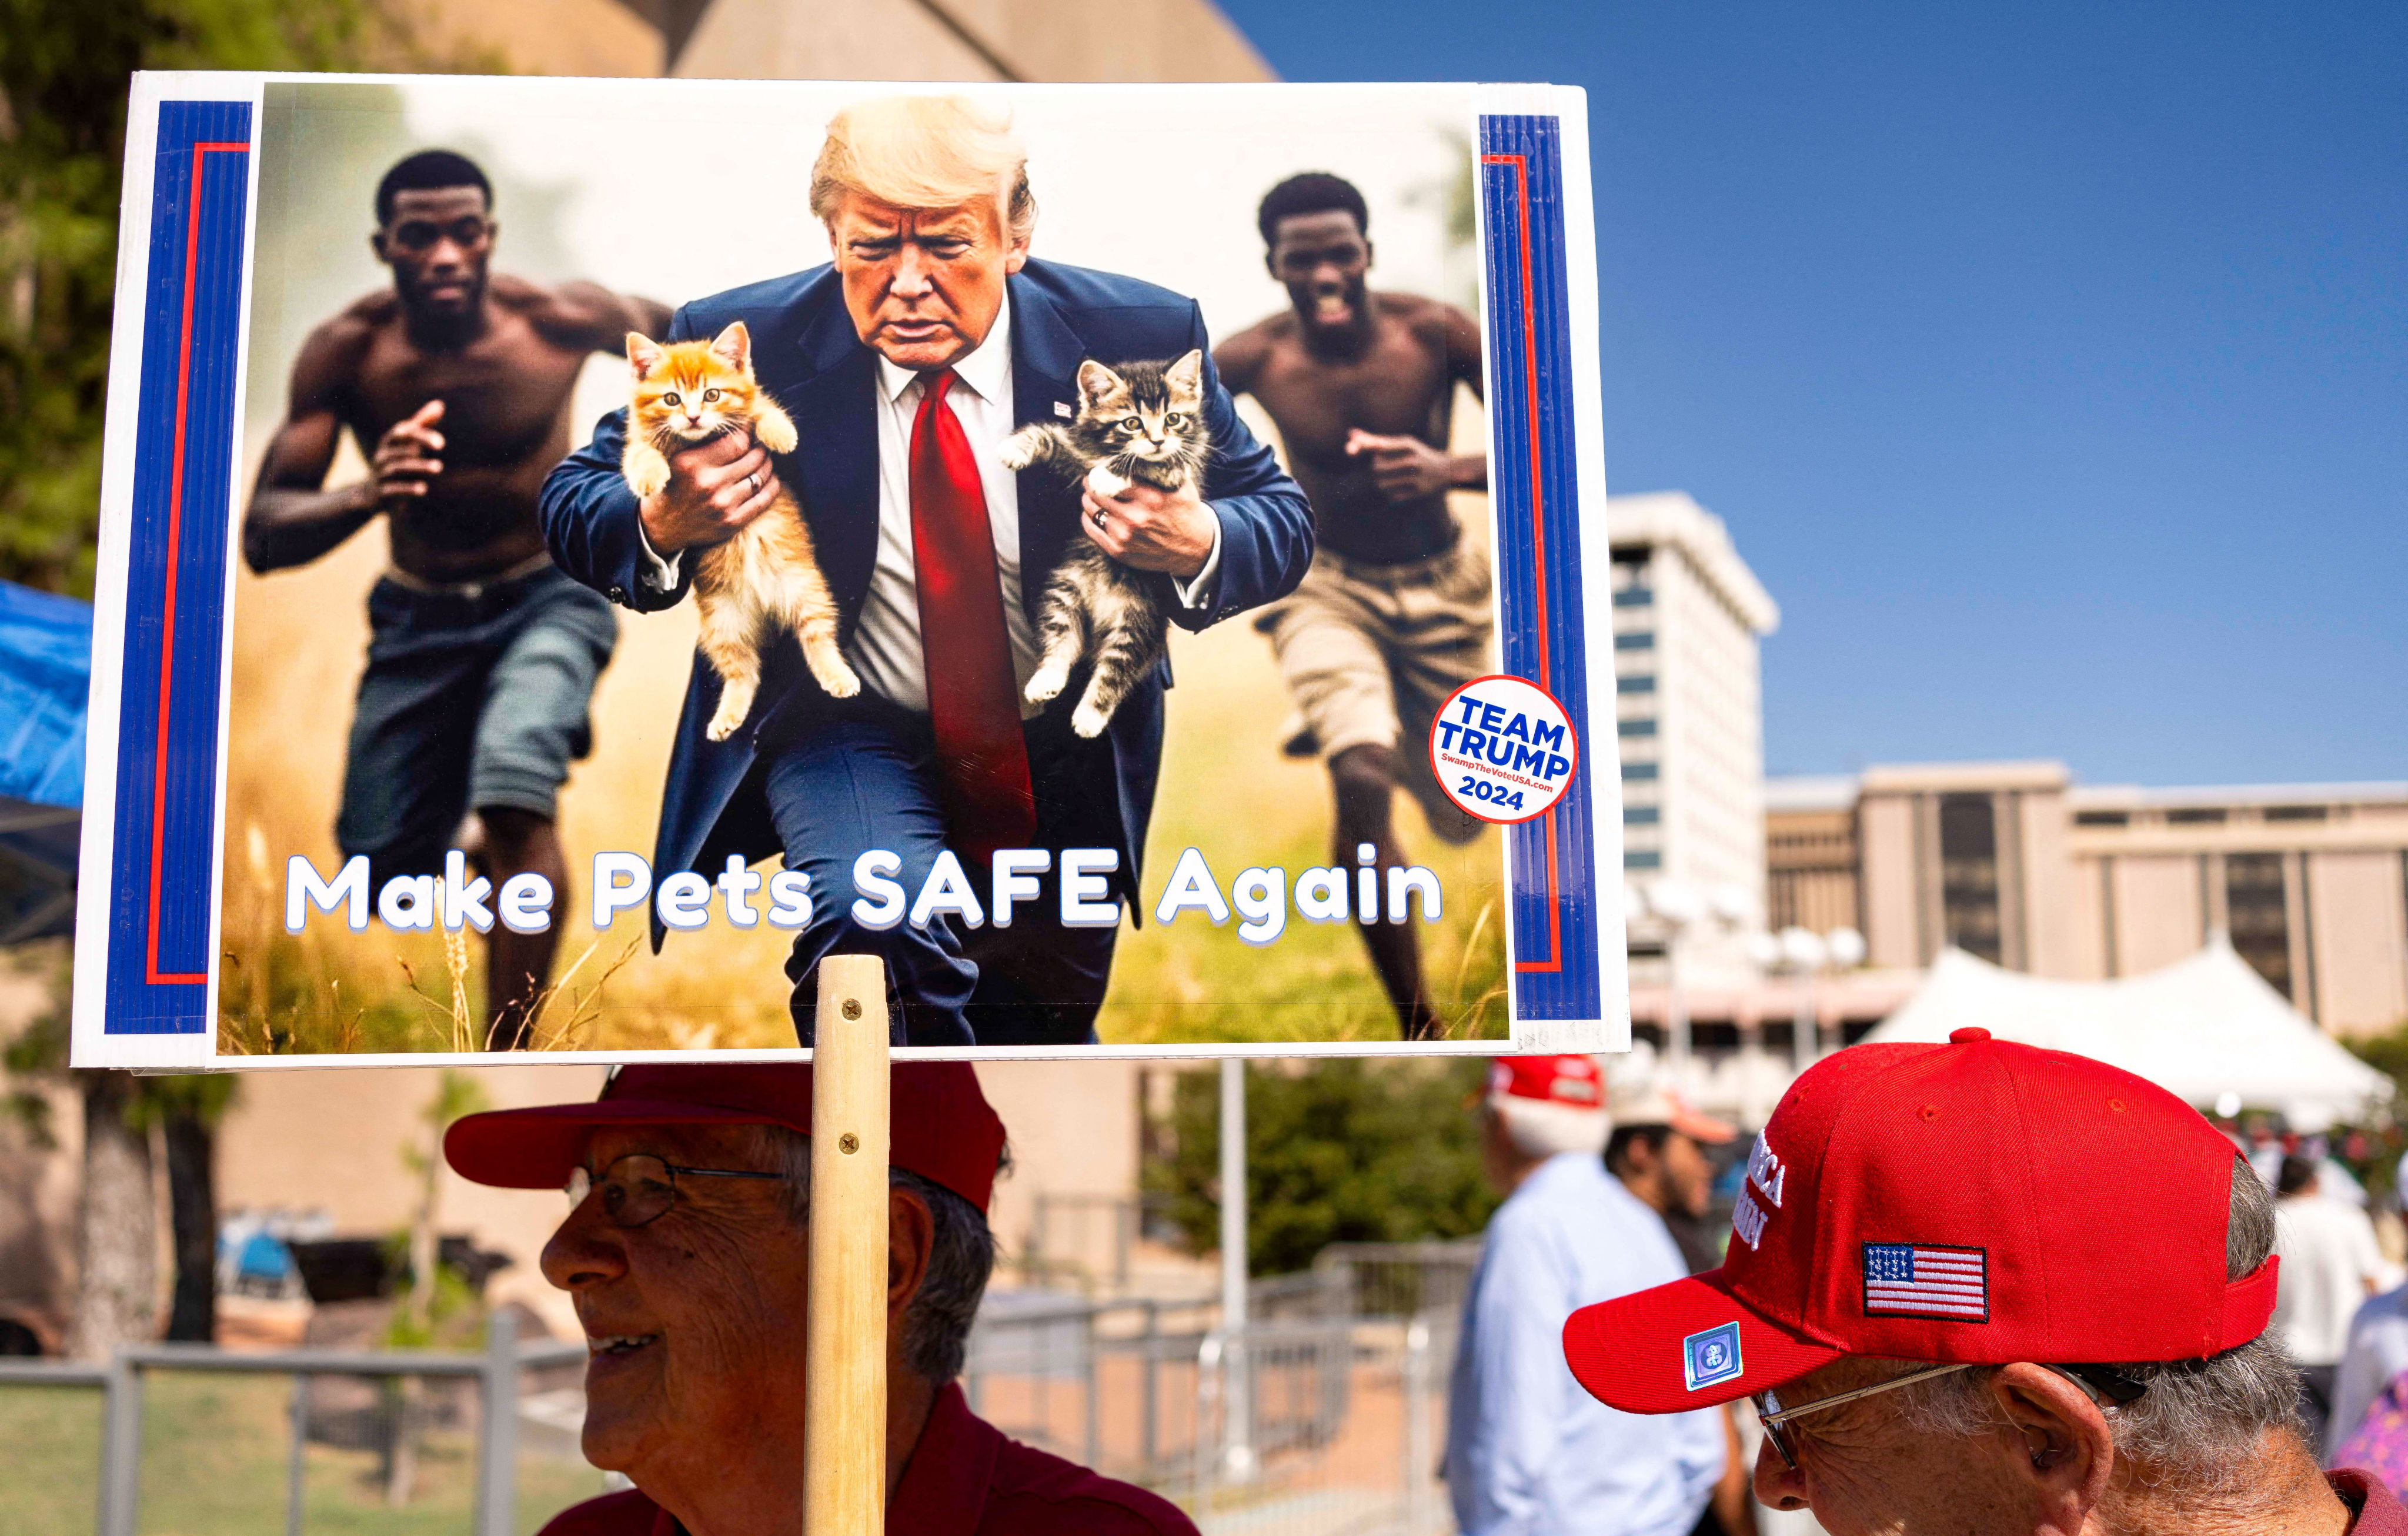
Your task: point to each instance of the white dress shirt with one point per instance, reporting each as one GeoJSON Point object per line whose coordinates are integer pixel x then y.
{"type": "Point", "coordinates": [1528, 1452]}
{"type": "Point", "coordinates": [2329, 1264]}
{"type": "Point", "coordinates": [885, 648]}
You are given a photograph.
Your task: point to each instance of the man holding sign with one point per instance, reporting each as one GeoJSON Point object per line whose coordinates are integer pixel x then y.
{"type": "Point", "coordinates": [685, 1249]}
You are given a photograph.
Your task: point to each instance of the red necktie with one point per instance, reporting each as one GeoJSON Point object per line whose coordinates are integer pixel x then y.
{"type": "Point", "coordinates": [973, 703]}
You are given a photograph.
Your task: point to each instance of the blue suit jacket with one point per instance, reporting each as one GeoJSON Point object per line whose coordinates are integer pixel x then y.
{"type": "Point", "coordinates": [805, 351]}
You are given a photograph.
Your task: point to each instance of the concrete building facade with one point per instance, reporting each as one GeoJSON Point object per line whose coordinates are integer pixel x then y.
{"type": "Point", "coordinates": [852, 41]}
{"type": "Point", "coordinates": [1688, 708]}
{"type": "Point", "coordinates": [2019, 865]}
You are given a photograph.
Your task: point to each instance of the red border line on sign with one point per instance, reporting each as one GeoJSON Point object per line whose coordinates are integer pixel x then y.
{"type": "Point", "coordinates": [151, 973]}
{"type": "Point", "coordinates": [1554, 961]}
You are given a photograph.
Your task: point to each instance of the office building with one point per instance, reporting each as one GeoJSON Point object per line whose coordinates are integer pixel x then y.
{"type": "Point", "coordinates": [2019, 865]}
{"type": "Point", "coordinates": [1688, 714]}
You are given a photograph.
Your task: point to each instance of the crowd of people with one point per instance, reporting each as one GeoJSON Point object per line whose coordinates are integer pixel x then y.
{"type": "Point", "coordinates": [1975, 1288]}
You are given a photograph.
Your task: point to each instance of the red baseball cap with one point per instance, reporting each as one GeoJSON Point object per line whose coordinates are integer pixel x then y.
{"type": "Point", "coordinates": [1979, 1201]}
{"type": "Point", "coordinates": [939, 1125]}
{"type": "Point", "coordinates": [1573, 1081]}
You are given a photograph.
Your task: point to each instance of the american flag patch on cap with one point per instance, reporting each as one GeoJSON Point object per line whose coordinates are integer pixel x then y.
{"type": "Point", "coordinates": [1913, 1280]}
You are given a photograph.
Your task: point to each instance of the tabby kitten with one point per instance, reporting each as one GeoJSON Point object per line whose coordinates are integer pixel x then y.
{"type": "Point", "coordinates": [765, 577]}
{"type": "Point", "coordinates": [1143, 421]}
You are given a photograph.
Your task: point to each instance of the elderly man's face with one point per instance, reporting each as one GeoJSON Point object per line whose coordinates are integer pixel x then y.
{"type": "Point", "coordinates": [696, 1318]}
{"type": "Point", "coordinates": [1866, 1471]}
{"type": "Point", "coordinates": [923, 285]}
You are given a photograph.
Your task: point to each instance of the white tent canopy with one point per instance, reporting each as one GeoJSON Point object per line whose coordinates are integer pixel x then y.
{"type": "Point", "coordinates": [2202, 1028]}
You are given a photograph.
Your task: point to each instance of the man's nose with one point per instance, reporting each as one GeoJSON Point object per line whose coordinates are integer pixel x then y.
{"type": "Point", "coordinates": [1776, 1484]}
{"type": "Point", "coordinates": [910, 273]}
{"type": "Point", "coordinates": [584, 1251]}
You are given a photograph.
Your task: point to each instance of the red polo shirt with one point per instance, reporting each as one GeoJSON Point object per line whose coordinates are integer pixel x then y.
{"type": "Point", "coordinates": [2378, 1511]}
{"type": "Point", "coordinates": [966, 1478]}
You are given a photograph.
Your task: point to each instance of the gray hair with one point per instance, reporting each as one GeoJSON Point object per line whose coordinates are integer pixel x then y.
{"type": "Point", "coordinates": [961, 1254]}
{"type": "Point", "coordinates": [2199, 1418]}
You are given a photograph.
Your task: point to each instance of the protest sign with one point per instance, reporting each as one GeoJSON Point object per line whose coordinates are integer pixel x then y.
{"type": "Point", "coordinates": [419, 718]}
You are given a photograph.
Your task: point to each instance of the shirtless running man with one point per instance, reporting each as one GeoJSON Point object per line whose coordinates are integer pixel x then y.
{"type": "Point", "coordinates": [1394, 613]}
{"type": "Point", "coordinates": [455, 383]}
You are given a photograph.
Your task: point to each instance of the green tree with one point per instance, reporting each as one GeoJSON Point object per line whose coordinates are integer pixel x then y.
{"type": "Point", "coordinates": [1342, 1151]}
{"type": "Point", "coordinates": [65, 67]}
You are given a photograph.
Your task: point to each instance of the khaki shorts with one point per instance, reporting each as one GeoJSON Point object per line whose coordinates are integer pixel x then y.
{"type": "Point", "coordinates": [1370, 651]}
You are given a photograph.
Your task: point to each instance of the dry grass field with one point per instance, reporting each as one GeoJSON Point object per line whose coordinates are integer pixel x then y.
{"type": "Point", "coordinates": [299, 638]}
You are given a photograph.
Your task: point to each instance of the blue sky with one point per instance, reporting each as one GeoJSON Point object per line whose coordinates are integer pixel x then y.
{"type": "Point", "coordinates": [2049, 364]}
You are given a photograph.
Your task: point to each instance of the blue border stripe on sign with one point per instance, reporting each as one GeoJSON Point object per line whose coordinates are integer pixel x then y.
{"type": "Point", "coordinates": [166, 823]}
{"type": "Point", "coordinates": [1534, 485]}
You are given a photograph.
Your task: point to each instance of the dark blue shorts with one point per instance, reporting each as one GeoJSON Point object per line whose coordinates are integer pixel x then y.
{"type": "Point", "coordinates": [469, 702]}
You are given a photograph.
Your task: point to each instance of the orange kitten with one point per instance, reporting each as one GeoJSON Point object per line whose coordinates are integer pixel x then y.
{"type": "Point", "coordinates": [765, 578]}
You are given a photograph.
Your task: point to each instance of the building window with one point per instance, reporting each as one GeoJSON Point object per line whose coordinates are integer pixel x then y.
{"type": "Point", "coordinates": [1643, 858]}
{"type": "Point", "coordinates": [1968, 875]}
{"type": "Point", "coordinates": [2255, 914]}
{"type": "Point", "coordinates": [2196, 815]}
{"type": "Point", "coordinates": [1641, 815]}
{"type": "Point", "coordinates": [1635, 727]}
{"type": "Point", "coordinates": [2296, 813]}
{"type": "Point", "coordinates": [2102, 818]}
{"type": "Point", "coordinates": [1639, 772]}
{"type": "Point", "coordinates": [1638, 682]}
{"type": "Point", "coordinates": [1635, 639]}
{"type": "Point", "coordinates": [1634, 596]}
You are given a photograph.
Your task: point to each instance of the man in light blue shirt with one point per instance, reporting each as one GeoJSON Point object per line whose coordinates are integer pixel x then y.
{"type": "Point", "coordinates": [1528, 1452]}
{"type": "Point", "coordinates": [2376, 1352]}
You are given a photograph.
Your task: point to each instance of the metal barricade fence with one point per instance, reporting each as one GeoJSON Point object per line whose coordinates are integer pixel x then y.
{"type": "Point", "coordinates": [1397, 1279]}
{"type": "Point", "coordinates": [1321, 1427]}
{"type": "Point", "coordinates": [1322, 1418]}
{"type": "Point", "coordinates": [496, 1370]}
{"type": "Point", "coordinates": [1109, 1383]}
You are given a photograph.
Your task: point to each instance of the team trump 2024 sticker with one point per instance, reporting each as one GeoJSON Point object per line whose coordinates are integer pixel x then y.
{"type": "Point", "coordinates": [1502, 749]}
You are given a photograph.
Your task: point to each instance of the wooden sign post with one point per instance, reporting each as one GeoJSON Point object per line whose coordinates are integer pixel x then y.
{"type": "Point", "coordinates": [844, 1448]}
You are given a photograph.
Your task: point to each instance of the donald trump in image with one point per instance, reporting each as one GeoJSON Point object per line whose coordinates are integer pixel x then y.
{"type": "Point", "coordinates": [905, 363]}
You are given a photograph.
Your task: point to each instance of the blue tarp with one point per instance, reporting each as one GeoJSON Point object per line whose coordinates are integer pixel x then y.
{"type": "Point", "coordinates": [45, 679]}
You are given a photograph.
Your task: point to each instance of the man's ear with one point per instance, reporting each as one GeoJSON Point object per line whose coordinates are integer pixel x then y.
{"type": "Point", "coordinates": [1015, 254]}
{"type": "Point", "coordinates": [2064, 1451]}
{"type": "Point", "coordinates": [910, 1231]}
{"type": "Point", "coordinates": [376, 243]}
{"type": "Point", "coordinates": [1368, 255]}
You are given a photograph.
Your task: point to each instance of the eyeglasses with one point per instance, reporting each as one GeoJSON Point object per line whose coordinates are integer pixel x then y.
{"type": "Point", "coordinates": [1776, 1418]}
{"type": "Point", "coordinates": [2106, 1387]}
{"type": "Point", "coordinates": [422, 234]}
{"type": "Point", "coordinates": [640, 1188]}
